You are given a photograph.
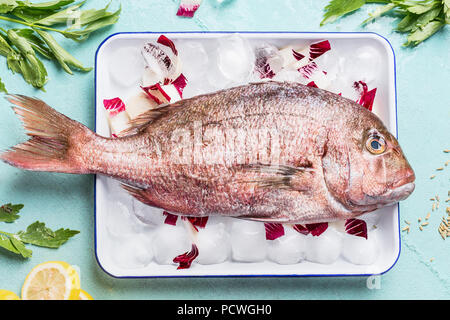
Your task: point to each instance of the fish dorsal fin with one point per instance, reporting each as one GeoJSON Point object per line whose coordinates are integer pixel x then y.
{"type": "Point", "coordinates": [277, 176]}
{"type": "Point", "coordinates": [145, 119]}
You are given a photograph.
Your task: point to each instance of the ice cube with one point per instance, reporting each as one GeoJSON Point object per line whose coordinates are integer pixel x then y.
{"type": "Point", "coordinates": [133, 252]}
{"type": "Point", "coordinates": [146, 214]}
{"type": "Point", "coordinates": [289, 76]}
{"type": "Point", "coordinates": [324, 248]}
{"type": "Point", "coordinates": [213, 244]}
{"type": "Point", "coordinates": [195, 60]}
{"type": "Point", "coordinates": [363, 64]}
{"type": "Point", "coordinates": [126, 65]}
{"type": "Point", "coordinates": [287, 249]}
{"type": "Point", "coordinates": [169, 242]}
{"type": "Point", "coordinates": [268, 62]}
{"type": "Point", "coordinates": [359, 250]}
{"type": "Point", "coordinates": [120, 222]}
{"type": "Point", "coordinates": [235, 58]}
{"type": "Point", "coordinates": [248, 241]}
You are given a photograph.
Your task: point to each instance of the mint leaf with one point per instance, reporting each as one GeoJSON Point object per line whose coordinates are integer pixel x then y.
{"type": "Point", "coordinates": [337, 8]}
{"type": "Point", "coordinates": [9, 212]}
{"type": "Point", "coordinates": [38, 234]}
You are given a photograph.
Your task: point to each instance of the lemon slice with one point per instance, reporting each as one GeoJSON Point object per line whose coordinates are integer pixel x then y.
{"type": "Point", "coordinates": [54, 280]}
{"type": "Point", "coordinates": [84, 295]}
{"type": "Point", "coordinates": [8, 295]}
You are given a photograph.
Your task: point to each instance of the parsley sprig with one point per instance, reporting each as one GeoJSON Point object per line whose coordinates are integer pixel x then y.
{"type": "Point", "coordinates": [23, 47]}
{"type": "Point", "coordinates": [419, 19]}
{"type": "Point", "coordinates": [36, 234]}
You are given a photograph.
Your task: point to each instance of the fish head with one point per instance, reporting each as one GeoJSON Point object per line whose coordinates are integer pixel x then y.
{"type": "Point", "coordinates": [379, 173]}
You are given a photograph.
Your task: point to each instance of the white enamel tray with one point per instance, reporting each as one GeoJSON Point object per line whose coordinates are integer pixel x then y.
{"type": "Point", "coordinates": [385, 108]}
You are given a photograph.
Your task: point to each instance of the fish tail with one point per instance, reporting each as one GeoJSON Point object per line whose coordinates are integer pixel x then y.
{"type": "Point", "coordinates": [54, 143]}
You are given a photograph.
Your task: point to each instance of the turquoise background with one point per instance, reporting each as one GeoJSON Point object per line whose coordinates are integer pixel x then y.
{"type": "Point", "coordinates": [423, 84]}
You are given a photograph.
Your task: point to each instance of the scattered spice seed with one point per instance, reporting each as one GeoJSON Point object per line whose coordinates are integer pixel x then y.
{"type": "Point", "coordinates": [420, 219]}
{"type": "Point", "coordinates": [440, 169]}
{"type": "Point", "coordinates": [433, 176]}
{"type": "Point", "coordinates": [420, 227]}
{"type": "Point", "coordinates": [432, 259]}
{"type": "Point", "coordinates": [447, 162]}
{"type": "Point", "coordinates": [447, 150]}
{"type": "Point", "coordinates": [406, 229]}
{"type": "Point", "coordinates": [433, 207]}
{"type": "Point", "coordinates": [424, 224]}
{"type": "Point", "coordinates": [432, 199]}
{"type": "Point", "coordinates": [428, 216]}
{"type": "Point", "coordinates": [407, 222]}
{"type": "Point", "coordinates": [437, 198]}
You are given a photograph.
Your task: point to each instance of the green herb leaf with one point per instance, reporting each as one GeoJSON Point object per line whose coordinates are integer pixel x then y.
{"type": "Point", "coordinates": [423, 6]}
{"type": "Point", "coordinates": [379, 12]}
{"type": "Point", "coordinates": [337, 8]}
{"type": "Point", "coordinates": [20, 247]}
{"type": "Point", "coordinates": [2, 87]}
{"type": "Point", "coordinates": [7, 5]}
{"type": "Point", "coordinates": [64, 16]}
{"type": "Point", "coordinates": [50, 5]}
{"type": "Point", "coordinates": [9, 212]}
{"type": "Point", "coordinates": [108, 19]}
{"type": "Point", "coordinates": [37, 43]}
{"type": "Point", "coordinates": [38, 234]}
{"type": "Point", "coordinates": [5, 242]}
{"type": "Point", "coordinates": [446, 4]}
{"type": "Point", "coordinates": [31, 67]}
{"type": "Point", "coordinates": [427, 31]}
{"type": "Point", "coordinates": [64, 58]}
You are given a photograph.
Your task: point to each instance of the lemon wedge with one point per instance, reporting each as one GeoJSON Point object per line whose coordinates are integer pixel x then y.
{"type": "Point", "coordinates": [84, 295]}
{"type": "Point", "coordinates": [8, 295]}
{"type": "Point", "coordinates": [53, 280]}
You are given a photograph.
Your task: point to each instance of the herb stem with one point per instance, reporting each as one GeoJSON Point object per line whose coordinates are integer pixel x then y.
{"type": "Point", "coordinates": [31, 24]}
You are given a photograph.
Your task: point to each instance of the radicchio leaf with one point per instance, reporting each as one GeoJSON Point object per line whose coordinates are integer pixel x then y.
{"type": "Point", "coordinates": [356, 227]}
{"type": "Point", "coordinates": [318, 49]}
{"type": "Point", "coordinates": [148, 90]}
{"type": "Point", "coordinates": [316, 229]}
{"type": "Point", "coordinates": [188, 7]}
{"type": "Point", "coordinates": [185, 260]}
{"type": "Point", "coordinates": [114, 106]}
{"type": "Point", "coordinates": [197, 221]}
{"type": "Point", "coordinates": [273, 230]}
{"type": "Point", "coordinates": [312, 84]}
{"type": "Point", "coordinates": [297, 55]}
{"type": "Point", "coordinates": [168, 43]}
{"type": "Point", "coordinates": [366, 97]}
{"type": "Point", "coordinates": [170, 218]}
{"type": "Point", "coordinates": [308, 70]}
{"type": "Point", "coordinates": [180, 83]}
{"type": "Point", "coordinates": [301, 229]}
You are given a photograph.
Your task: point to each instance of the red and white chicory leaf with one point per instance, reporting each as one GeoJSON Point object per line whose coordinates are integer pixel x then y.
{"type": "Point", "coordinates": [315, 229]}
{"type": "Point", "coordinates": [118, 119]}
{"type": "Point", "coordinates": [274, 230]}
{"type": "Point", "coordinates": [179, 84]}
{"type": "Point", "coordinates": [319, 48]}
{"type": "Point", "coordinates": [312, 84]}
{"type": "Point", "coordinates": [367, 97]}
{"type": "Point", "coordinates": [199, 222]}
{"type": "Point", "coordinates": [170, 218]}
{"type": "Point", "coordinates": [185, 260]}
{"type": "Point", "coordinates": [114, 106]}
{"type": "Point", "coordinates": [356, 227]}
{"type": "Point", "coordinates": [187, 8]}
{"type": "Point", "coordinates": [168, 43]}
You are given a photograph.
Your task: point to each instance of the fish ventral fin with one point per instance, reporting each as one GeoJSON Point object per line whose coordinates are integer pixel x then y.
{"type": "Point", "coordinates": [139, 193]}
{"type": "Point", "coordinates": [277, 176]}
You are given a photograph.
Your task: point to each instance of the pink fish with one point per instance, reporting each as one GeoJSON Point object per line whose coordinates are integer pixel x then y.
{"type": "Point", "coordinates": [272, 152]}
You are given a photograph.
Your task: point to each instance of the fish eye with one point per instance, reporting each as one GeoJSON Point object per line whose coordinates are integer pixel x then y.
{"type": "Point", "coordinates": [375, 144]}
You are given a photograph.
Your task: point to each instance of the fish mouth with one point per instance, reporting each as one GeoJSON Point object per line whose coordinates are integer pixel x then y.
{"type": "Point", "coordinates": [399, 193]}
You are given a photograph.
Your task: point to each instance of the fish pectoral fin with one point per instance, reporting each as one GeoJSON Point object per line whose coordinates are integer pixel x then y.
{"type": "Point", "coordinates": [139, 193]}
{"type": "Point", "coordinates": [145, 119]}
{"type": "Point", "coordinates": [279, 176]}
